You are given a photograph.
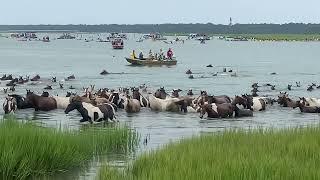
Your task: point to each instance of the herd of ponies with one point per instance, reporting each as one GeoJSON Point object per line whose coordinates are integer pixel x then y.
{"type": "Point", "coordinates": [102, 105]}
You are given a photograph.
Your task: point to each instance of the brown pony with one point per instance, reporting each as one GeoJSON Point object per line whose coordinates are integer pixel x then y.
{"type": "Point", "coordinates": [217, 110]}
{"type": "Point", "coordinates": [41, 103]}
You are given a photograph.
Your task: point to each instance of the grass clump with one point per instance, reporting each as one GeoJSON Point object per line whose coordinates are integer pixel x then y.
{"type": "Point", "coordinates": [255, 154]}
{"type": "Point", "coordinates": [28, 150]}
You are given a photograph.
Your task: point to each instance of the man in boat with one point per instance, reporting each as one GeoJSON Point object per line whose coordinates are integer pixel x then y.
{"type": "Point", "coordinates": [133, 55]}
{"type": "Point", "coordinates": [161, 55]}
{"type": "Point", "coordinates": [141, 56]}
{"type": "Point", "coordinates": [170, 54]}
{"type": "Point", "coordinates": [150, 54]}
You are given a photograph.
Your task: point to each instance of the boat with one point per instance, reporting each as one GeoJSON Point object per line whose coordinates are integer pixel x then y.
{"type": "Point", "coordinates": [158, 36]}
{"type": "Point", "coordinates": [66, 36]}
{"type": "Point", "coordinates": [152, 62]}
{"type": "Point", "coordinates": [103, 40]}
{"type": "Point", "coordinates": [46, 39]}
{"type": "Point", "coordinates": [115, 35]}
{"type": "Point", "coordinates": [117, 44]}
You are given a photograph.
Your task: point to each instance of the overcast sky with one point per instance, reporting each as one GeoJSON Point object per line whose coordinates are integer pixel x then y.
{"type": "Point", "coordinates": [157, 11]}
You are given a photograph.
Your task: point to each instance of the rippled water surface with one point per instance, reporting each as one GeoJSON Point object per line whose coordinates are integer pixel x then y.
{"type": "Point", "coordinates": [253, 62]}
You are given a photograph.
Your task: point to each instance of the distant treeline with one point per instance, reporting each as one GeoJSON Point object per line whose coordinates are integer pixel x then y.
{"type": "Point", "coordinates": [291, 28]}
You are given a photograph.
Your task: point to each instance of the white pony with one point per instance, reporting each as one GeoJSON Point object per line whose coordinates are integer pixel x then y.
{"type": "Point", "coordinates": [168, 104]}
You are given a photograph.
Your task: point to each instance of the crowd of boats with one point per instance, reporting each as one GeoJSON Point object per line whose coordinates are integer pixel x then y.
{"type": "Point", "coordinates": [117, 41]}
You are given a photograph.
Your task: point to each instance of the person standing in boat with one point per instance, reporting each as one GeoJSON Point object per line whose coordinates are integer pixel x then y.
{"type": "Point", "coordinates": [170, 54]}
{"type": "Point", "coordinates": [133, 55]}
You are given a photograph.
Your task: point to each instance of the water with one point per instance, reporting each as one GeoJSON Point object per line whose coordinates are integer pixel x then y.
{"type": "Point", "coordinates": [253, 62]}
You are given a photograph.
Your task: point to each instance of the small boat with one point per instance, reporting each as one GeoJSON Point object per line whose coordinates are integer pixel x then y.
{"type": "Point", "coordinates": [103, 40]}
{"type": "Point", "coordinates": [66, 36]}
{"type": "Point", "coordinates": [117, 44]}
{"type": "Point", "coordinates": [152, 62]}
{"type": "Point", "coordinates": [46, 39]}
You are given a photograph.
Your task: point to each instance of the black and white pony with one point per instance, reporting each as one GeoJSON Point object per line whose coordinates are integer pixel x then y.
{"type": "Point", "coordinates": [116, 99]}
{"type": "Point", "coordinates": [91, 113]}
{"type": "Point", "coordinates": [10, 105]}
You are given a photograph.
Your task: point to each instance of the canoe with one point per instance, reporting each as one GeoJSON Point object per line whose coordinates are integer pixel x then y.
{"type": "Point", "coordinates": [152, 62]}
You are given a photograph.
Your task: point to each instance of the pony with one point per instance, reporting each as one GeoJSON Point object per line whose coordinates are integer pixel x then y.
{"type": "Point", "coordinates": [10, 105]}
{"type": "Point", "coordinates": [160, 93]}
{"type": "Point", "coordinates": [35, 78]}
{"type": "Point", "coordinates": [117, 100]}
{"type": "Point", "coordinates": [175, 93]}
{"type": "Point", "coordinates": [168, 104]}
{"type": "Point", "coordinates": [22, 103]}
{"type": "Point", "coordinates": [48, 87]}
{"type": "Point", "coordinates": [41, 103]}
{"type": "Point", "coordinates": [72, 77]}
{"type": "Point", "coordinates": [190, 93]}
{"type": "Point", "coordinates": [45, 94]}
{"type": "Point", "coordinates": [285, 101]}
{"type": "Point", "coordinates": [82, 99]}
{"type": "Point", "coordinates": [137, 95]}
{"type": "Point", "coordinates": [240, 101]}
{"type": "Point", "coordinates": [92, 113]}
{"type": "Point", "coordinates": [5, 77]}
{"type": "Point", "coordinates": [12, 82]}
{"type": "Point", "coordinates": [242, 112]}
{"type": "Point", "coordinates": [214, 110]}
{"type": "Point", "coordinates": [131, 105]}
{"type": "Point", "coordinates": [310, 101]}
{"type": "Point", "coordinates": [255, 103]}
{"type": "Point", "coordinates": [307, 109]}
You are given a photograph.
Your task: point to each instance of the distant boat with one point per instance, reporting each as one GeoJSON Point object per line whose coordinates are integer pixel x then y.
{"type": "Point", "coordinates": [139, 40]}
{"type": "Point", "coordinates": [102, 40]}
{"type": "Point", "coordinates": [46, 39]}
{"type": "Point", "coordinates": [66, 36]}
{"type": "Point", "coordinates": [117, 44]}
{"type": "Point", "coordinates": [152, 62]}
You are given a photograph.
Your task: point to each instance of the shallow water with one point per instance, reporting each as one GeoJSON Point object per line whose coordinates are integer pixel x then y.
{"type": "Point", "coordinates": [253, 62]}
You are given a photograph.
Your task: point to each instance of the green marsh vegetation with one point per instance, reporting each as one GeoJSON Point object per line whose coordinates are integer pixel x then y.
{"type": "Point", "coordinates": [28, 150]}
{"type": "Point", "coordinates": [235, 154]}
{"type": "Point", "coordinates": [276, 37]}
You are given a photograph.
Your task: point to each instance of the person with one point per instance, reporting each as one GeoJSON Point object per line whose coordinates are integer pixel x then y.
{"type": "Point", "coordinates": [161, 55]}
{"type": "Point", "coordinates": [141, 56]}
{"type": "Point", "coordinates": [150, 54]}
{"type": "Point", "coordinates": [133, 55]}
{"type": "Point", "coordinates": [170, 54]}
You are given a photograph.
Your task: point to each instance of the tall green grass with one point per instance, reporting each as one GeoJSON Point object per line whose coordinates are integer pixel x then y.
{"type": "Point", "coordinates": [28, 150]}
{"type": "Point", "coordinates": [257, 154]}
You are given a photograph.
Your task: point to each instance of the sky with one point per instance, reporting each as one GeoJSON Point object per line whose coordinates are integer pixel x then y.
{"type": "Point", "coordinates": [157, 11]}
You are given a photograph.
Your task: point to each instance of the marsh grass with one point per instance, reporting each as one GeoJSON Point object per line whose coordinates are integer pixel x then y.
{"type": "Point", "coordinates": [28, 150]}
{"type": "Point", "coordinates": [278, 37]}
{"type": "Point", "coordinates": [255, 154]}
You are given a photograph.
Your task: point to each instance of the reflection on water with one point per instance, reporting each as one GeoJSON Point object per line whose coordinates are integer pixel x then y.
{"type": "Point", "coordinates": [253, 62]}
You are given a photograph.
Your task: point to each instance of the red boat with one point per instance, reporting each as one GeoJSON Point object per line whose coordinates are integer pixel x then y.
{"type": "Point", "coordinates": [117, 44]}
